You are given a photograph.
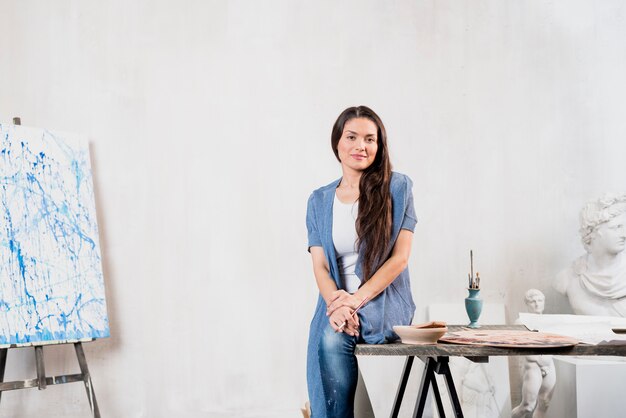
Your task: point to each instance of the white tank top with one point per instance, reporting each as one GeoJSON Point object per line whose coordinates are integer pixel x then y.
{"type": "Point", "coordinates": [344, 239]}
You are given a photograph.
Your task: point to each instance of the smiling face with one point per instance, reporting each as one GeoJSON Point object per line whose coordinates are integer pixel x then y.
{"type": "Point", "coordinates": [610, 237]}
{"type": "Point", "coordinates": [358, 144]}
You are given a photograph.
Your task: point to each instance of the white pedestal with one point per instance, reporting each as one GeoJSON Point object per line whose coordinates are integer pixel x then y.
{"type": "Point", "coordinates": [589, 388]}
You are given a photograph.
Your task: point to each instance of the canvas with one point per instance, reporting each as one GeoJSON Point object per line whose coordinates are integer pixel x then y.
{"type": "Point", "coordinates": [51, 281]}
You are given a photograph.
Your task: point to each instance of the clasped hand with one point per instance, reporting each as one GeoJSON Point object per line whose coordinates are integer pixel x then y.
{"type": "Point", "coordinates": [340, 311]}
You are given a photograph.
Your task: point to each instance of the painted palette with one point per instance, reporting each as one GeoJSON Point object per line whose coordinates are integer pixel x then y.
{"type": "Point", "coordinates": [509, 338]}
{"type": "Point", "coordinates": [51, 282]}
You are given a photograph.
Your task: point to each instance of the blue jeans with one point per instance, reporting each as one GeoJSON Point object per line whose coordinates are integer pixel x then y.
{"type": "Point", "coordinates": [339, 369]}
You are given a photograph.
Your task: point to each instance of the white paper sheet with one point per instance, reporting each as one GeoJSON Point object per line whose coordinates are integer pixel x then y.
{"type": "Point", "coordinates": [585, 328]}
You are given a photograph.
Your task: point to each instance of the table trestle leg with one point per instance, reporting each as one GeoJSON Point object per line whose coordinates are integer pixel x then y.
{"type": "Point", "coordinates": [428, 376]}
{"type": "Point", "coordinates": [443, 367]}
{"type": "Point", "coordinates": [432, 365]}
{"type": "Point", "coordinates": [402, 387]}
{"type": "Point", "coordinates": [442, 413]}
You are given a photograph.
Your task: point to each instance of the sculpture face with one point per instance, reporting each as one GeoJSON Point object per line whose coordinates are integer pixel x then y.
{"type": "Point", "coordinates": [536, 303]}
{"type": "Point", "coordinates": [610, 237]}
{"type": "Point", "coordinates": [595, 283]}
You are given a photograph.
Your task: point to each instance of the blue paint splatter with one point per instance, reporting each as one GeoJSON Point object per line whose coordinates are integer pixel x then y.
{"type": "Point", "coordinates": [51, 283]}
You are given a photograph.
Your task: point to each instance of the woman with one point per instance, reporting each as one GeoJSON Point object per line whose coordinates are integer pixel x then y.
{"type": "Point", "coordinates": [360, 230]}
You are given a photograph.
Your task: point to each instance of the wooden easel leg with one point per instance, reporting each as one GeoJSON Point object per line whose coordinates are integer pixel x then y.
{"type": "Point", "coordinates": [3, 363]}
{"type": "Point", "coordinates": [82, 362]}
{"type": "Point", "coordinates": [41, 371]}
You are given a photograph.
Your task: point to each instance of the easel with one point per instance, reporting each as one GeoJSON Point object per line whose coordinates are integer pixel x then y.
{"type": "Point", "coordinates": [42, 381]}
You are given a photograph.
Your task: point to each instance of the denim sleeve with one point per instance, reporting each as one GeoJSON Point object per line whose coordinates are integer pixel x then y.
{"type": "Point", "coordinates": [410, 218]}
{"type": "Point", "coordinates": [311, 225]}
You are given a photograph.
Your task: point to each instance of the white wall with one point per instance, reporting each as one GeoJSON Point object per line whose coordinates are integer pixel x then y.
{"type": "Point", "coordinates": [210, 126]}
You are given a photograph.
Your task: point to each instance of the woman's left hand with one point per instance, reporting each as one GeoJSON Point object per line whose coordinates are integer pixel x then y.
{"type": "Point", "coordinates": [342, 320]}
{"type": "Point", "coordinates": [341, 298]}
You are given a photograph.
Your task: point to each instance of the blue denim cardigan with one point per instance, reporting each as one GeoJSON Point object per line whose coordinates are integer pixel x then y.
{"type": "Point", "coordinates": [394, 306]}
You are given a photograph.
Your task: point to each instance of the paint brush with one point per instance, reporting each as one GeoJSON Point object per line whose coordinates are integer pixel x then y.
{"type": "Point", "coordinates": [472, 268]}
{"type": "Point", "coordinates": [353, 313]}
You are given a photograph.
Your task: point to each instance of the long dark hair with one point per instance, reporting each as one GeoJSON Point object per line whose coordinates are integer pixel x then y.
{"type": "Point", "coordinates": [373, 224]}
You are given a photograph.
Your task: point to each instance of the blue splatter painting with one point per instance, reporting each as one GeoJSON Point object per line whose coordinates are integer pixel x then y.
{"type": "Point", "coordinates": [51, 282]}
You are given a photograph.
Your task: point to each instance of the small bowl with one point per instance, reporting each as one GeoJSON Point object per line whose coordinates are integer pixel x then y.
{"type": "Point", "coordinates": [409, 334]}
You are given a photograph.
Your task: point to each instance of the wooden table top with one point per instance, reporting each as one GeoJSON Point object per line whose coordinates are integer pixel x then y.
{"type": "Point", "coordinates": [460, 350]}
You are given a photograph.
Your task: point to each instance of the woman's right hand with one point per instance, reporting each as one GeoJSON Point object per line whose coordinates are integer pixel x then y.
{"type": "Point", "coordinates": [341, 316]}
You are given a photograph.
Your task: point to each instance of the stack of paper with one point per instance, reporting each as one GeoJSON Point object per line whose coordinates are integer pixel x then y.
{"type": "Point", "coordinates": [585, 328]}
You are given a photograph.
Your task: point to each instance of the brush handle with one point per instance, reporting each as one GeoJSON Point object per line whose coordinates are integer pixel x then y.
{"type": "Point", "coordinates": [353, 313]}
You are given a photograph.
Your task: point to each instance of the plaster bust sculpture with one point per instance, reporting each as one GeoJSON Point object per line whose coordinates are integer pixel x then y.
{"type": "Point", "coordinates": [539, 372]}
{"type": "Point", "coordinates": [595, 283]}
